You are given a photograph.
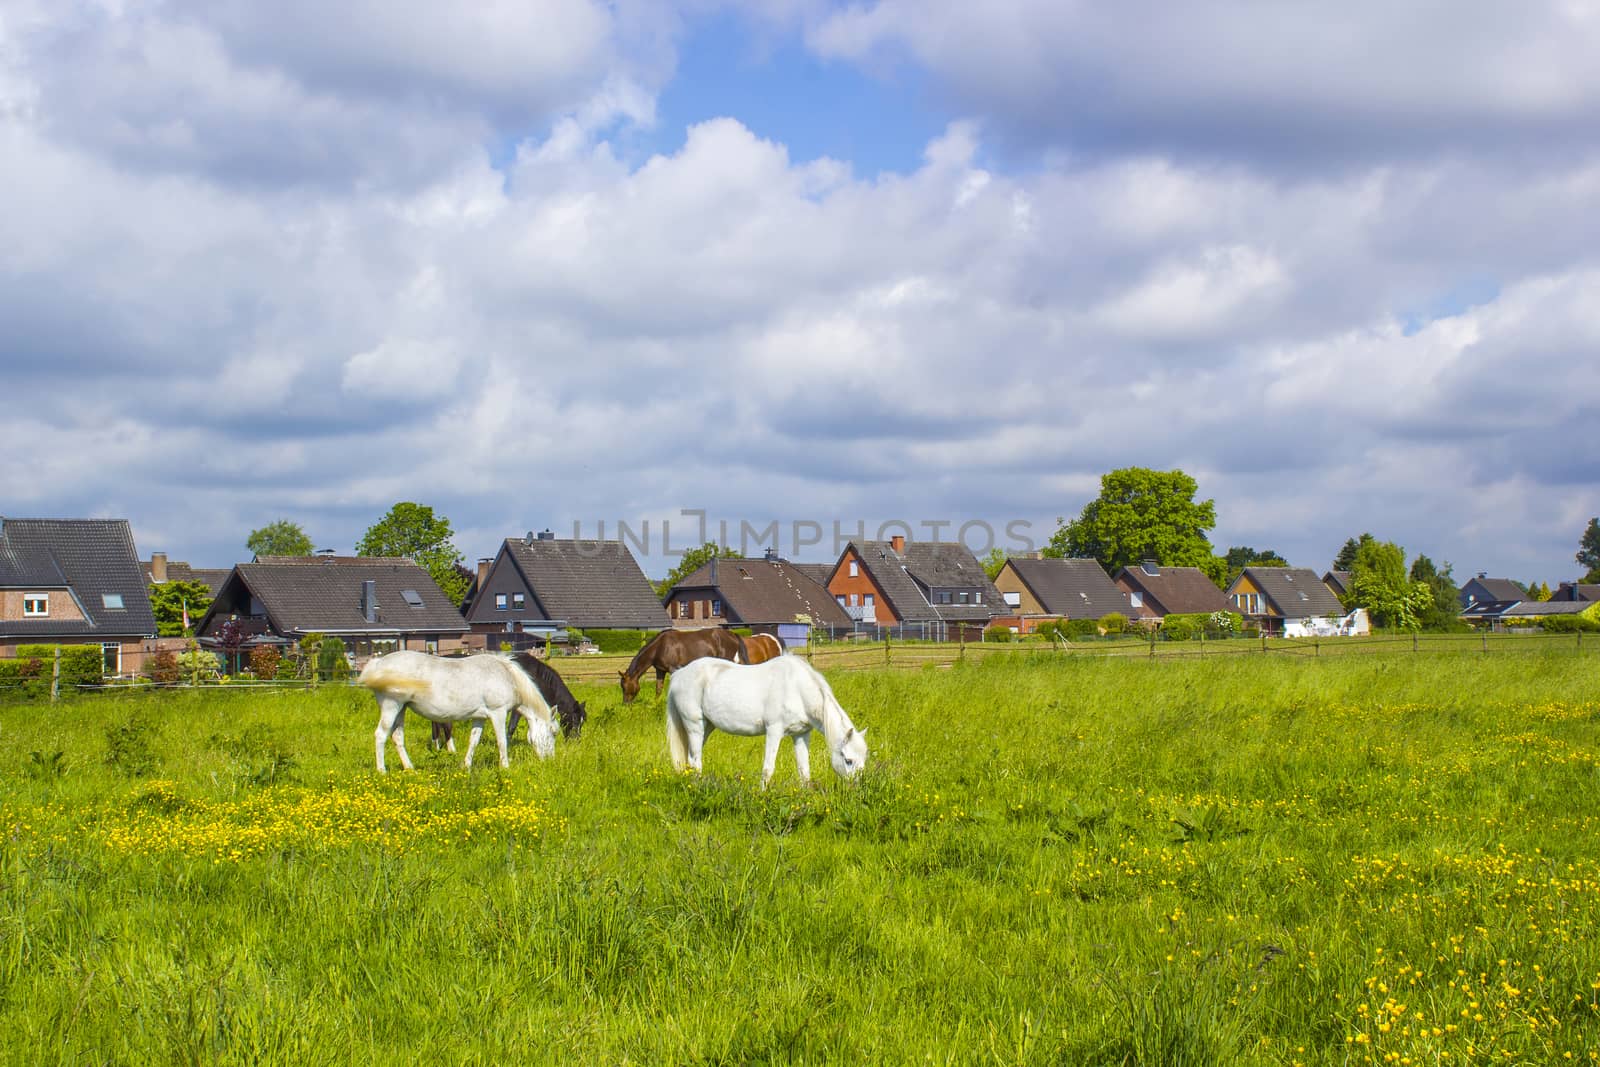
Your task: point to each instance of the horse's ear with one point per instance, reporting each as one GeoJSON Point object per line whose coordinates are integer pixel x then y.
{"type": "Point", "coordinates": [863, 733]}
{"type": "Point", "coordinates": [848, 734]}
{"type": "Point", "coordinates": [622, 674]}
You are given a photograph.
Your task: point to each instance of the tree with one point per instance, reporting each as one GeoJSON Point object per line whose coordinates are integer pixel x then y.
{"type": "Point", "coordinates": [994, 562]}
{"type": "Point", "coordinates": [1143, 514]}
{"type": "Point", "coordinates": [1237, 558]}
{"type": "Point", "coordinates": [1346, 558]}
{"type": "Point", "coordinates": [281, 538]}
{"type": "Point", "coordinates": [170, 600]}
{"type": "Point", "coordinates": [1589, 549]}
{"type": "Point", "coordinates": [413, 531]}
{"type": "Point", "coordinates": [1542, 592]}
{"type": "Point", "coordinates": [1378, 583]}
{"type": "Point", "coordinates": [1442, 588]}
{"type": "Point", "coordinates": [693, 560]}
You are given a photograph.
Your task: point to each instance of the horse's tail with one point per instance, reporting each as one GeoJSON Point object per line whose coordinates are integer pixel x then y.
{"type": "Point", "coordinates": [677, 736]}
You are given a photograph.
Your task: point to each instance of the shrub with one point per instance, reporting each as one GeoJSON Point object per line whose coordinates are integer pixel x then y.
{"type": "Point", "coordinates": [998, 633]}
{"type": "Point", "coordinates": [1569, 624]}
{"type": "Point", "coordinates": [80, 664]}
{"type": "Point", "coordinates": [197, 664]}
{"type": "Point", "coordinates": [162, 668]}
{"type": "Point", "coordinates": [332, 666]}
{"type": "Point", "coordinates": [264, 661]}
{"type": "Point", "coordinates": [1182, 627]}
{"type": "Point", "coordinates": [629, 641]}
{"type": "Point", "coordinates": [24, 679]}
{"type": "Point", "coordinates": [1078, 629]}
{"type": "Point", "coordinates": [1114, 623]}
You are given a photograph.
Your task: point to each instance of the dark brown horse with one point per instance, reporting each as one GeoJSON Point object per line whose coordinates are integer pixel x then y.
{"type": "Point", "coordinates": [569, 710]}
{"type": "Point", "coordinates": [671, 649]}
{"type": "Point", "coordinates": [758, 648]}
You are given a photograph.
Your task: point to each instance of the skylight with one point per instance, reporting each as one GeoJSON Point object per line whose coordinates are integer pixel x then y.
{"type": "Point", "coordinates": [112, 601]}
{"type": "Point", "coordinates": [411, 597]}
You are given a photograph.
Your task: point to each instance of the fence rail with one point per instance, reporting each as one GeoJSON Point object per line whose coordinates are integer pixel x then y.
{"type": "Point", "coordinates": [914, 655]}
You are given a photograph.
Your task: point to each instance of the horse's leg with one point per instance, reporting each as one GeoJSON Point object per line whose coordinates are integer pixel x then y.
{"type": "Point", "coordinates": [399, 736]}
{"type": "Point", "coordinates": [695, 731]}
{"type": "Point", "coordinates": [389, 712]}
{"type": "Point", "coordinates": [472, 741]}
{"type": "Point", "coordinates": [769, 762]}
{"type": "Point", "coordinates": [499, 724]}
{"type": "Point", "coordinates": [802, 757]}
{"type": "Point", "coordinates": [661, 675]}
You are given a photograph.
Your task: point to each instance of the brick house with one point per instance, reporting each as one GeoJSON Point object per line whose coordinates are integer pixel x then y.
{"type": "Point", "coordinates": [937, 587]}
{"type": "Point", "coordinates": [1037, 590]}
{"type": "Point", "coordinates": [768, 595]}
{"type": "Point", "coordinates": [540, 582]}
{"type": "Point", "coordinates": [1285, 600]}
{"type": "Point", "coordinates": [74, 582]}
{"type": "Point", "coordinates": [1154, 591]}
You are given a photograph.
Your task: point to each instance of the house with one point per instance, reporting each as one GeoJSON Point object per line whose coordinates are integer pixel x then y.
{"type": "Point", "coordinates": [74, 582]}
{"type": "Point", "coordinates": [1290, 602]}
{"type": "Point", "coordinates": [936, 588]}
{"type": "Point", "coordinates": [539, 583]}
{"type": "Point", "coordinates": [1513, 611]}
{"type": "Point", "coordinates": [1482, 590]}
{"type": "Point", "coordinates": [1036, 590]}
{"type": "Point", "coordinates": [1154, 591]}
{"type": "Point", "coordinates": [768, 595]}
{"type": "Point", "coordinates": [375, 604]}
{"type": "Point", "coordinates": [159, 570]}
{"type": "Point", "coordinates": [1338, 582]}
{"type": "Point", "coordinates": [1581, 591]}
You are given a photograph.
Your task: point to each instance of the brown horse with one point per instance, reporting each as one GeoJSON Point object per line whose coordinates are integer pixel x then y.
{"type": "Point", "coordinates": [671, 649]}
{"type": "Point", "coordinates": [758, 648]}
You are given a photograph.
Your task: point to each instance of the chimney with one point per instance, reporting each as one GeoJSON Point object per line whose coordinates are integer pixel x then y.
{"type": "Point", "coordinates": [158, 567]}
{"type": "Point", "coordinates": [483, 572]}
{"type": "Point", "coordinates": [898, 543]}
{"type": "Point", "coordinates": [547, 534]}
{"type": "Point", "coordinates": [713, 571]}
{"type": "Point", "coordinates": [369, 600]}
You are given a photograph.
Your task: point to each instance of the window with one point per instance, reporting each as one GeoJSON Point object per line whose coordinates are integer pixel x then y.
{"type": "Point", "coordinates": [112, 601]}
{"type": "Point", "coordinates": [855, 599]}
{"type": "Point", "coordinates": [1137, 599]}
{"type": "Point", "coordinates": [1013, 599]}
{"type": "Point", "coordinates": [111, 657]}
{"type": "Point", "coordinates": [716, 607]}
{"type": "Point", "coordinates": [412, 597]}
{"type": "Point", "coordinates": [35, 605]}
{"type": "Point", "coordinates": [855, 568]}
{"type": "Point", "coordinates": [963, 596]}
{"type": "Point", "coordinates": [431, 645]}
{"type": "Point", "coordinates": [977, 598]}
{"type": "Point", "coordinates": [867, 600]}
{"type": "Point", "coordinates": [517, 601]}
{"type": "Point", "coordinates": [499, 602]}
{"type": "Point", "coordinates": [944, 598]}
{"type": "Point", "coordinates": [841, 599]}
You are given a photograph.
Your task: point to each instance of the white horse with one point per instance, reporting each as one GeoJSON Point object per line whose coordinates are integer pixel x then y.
{"type": "Point", "coordinates": [783, 697]}
{"type": "Point", "coordinates": [477, 688]}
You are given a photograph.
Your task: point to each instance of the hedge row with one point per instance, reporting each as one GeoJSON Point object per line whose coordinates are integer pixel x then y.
{"type": "Point", "coordinates": [629, 641]}
{"type": "Point", "coordinates": [28, 676]}
{"type": "Point", "coordinates": [1199, 624]}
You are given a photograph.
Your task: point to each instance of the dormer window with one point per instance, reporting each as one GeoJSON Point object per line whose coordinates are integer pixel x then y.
{"type": "Point", "coordinates": [35, 605]}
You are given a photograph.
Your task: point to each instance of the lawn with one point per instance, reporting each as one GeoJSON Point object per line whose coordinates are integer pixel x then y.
{"type": "Point", "coordinates": [1252, 859]}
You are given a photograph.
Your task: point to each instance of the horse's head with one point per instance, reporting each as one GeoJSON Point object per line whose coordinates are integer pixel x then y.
{"type": "Point", "coordinates": [572, 721]}
{"type": "Point", "coordinates": [851, 756]}
{"type": "Point", "coordinates": [630, 687]}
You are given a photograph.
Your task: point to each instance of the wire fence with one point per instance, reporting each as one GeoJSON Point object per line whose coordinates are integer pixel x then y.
{"type": "Point", "coordinates": [915, 655]}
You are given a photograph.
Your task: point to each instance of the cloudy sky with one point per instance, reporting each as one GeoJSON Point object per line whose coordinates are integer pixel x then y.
{"type": "Point", "coordinates": [561, 261]}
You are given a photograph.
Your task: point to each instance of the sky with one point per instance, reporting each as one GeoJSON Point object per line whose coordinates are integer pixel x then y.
{"type": "Point", "coordinates": [554, 263]}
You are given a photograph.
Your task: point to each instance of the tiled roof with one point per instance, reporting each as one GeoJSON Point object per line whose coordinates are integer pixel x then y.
{"type": "Point", "coordinates": [1499, 589]}
{"type": "Point", "coordinates": [1295, 592]}
{"type": "Point", "coordinates": [1338, 581]}
{"type": "Point", "coordinates": [589, 584]}
{"type": "Point", "coordinates": [211, 577]}
{"type": "Point", "coordinates": [919, 568]}
{"type": "Point", "coordinates": [817, 572]}
{"type": "Point", "coordinates": [1071, 588]}
{"type": "Point", "coordinates": [312, 595]}
{"type": "Point", "coordinates": [1175, 590]}
{"type": "Point", "coordinates": [94, 558]}
{"type": "Point", "coordinates": [763, 591]}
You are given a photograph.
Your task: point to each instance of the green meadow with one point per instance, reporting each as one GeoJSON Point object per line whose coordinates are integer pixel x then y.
{"type": "Point", "coordinates": [1253, 859]}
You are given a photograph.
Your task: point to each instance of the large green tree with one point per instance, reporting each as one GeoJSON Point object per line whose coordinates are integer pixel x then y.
{"type": "Point", "coordinates": [1143, 514]}
{"type": "Point", "coordinates": [1446, 595]}
{"type": "Point", "coordinates": [281, 538]}
{"type": "Point", "coordinates": [169, 601]}
{"type": "Point", "coordinates": [1346, 558]}
{"type": "Point", "coordinates": [1589, 551]}
{"type": "Point", "coordinates": [1378, 582]}
{"type": "Point", "coordinates": [693, 559]}
{"type": "Point", "coordinates": [994, 562]}
{"type": "Point", "coordinates": [413, 530]}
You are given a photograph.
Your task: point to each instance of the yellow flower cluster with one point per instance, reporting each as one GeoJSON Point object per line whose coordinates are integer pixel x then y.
{"type": "Point", "coordinates": [397, 817]}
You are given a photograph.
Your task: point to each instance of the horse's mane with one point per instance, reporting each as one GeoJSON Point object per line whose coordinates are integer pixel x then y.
{"type": "Point", "coordinates": [638, 657]}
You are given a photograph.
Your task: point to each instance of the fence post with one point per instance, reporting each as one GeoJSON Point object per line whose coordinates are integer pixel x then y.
{"type": "Point", "coordinates": [55, 676]}
{"type": "Point", "coordinates": [1486, 641]}
{"type": "Point", "coordinates": [1152, 642]}
{"type": "Point", "coordinates": [886, 648]}
{"type": "Point", "coordinates": [1316, 649]}
{"type": "Point", "coordinates": [1413, 640]}
{"type": "Point", "coordinates": [1263, 641]}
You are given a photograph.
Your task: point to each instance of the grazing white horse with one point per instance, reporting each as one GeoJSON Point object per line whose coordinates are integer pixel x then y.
{"type": "Point", "coordinates": [783, 697]}
{"type": "Point", "coordinates": [477, 688]}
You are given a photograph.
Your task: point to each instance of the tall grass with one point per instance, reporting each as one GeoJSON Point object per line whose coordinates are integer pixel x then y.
{"type": "Point", "coordinates": [1253, 860]}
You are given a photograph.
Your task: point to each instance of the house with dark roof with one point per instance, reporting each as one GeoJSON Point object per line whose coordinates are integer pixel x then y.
{"type": "Point", "coordinates": [74, 582]}
{"type": "Point", "coordinates": [159, 570]}
{"type": "Point", "coordinates": [1581, 591]}
{"type": "Point", "coordinates": [375, 604]}
{"type": "Point", "coordinates": [937, 588]}
{"type": "Point", "coordinates": [1154, 591]}
{"type": "Point", "coordinates": [539, 583]}
{"type": "Point", "coordinates": [768, 595]}
{"type": "Point", "coordinates": [1037, 590]}
{"type": "Point", "coordinates": [1288, 602]}
{"type": "Point", "coordinates": [1483, 590]}
{"type": "Point", "coordinates": [1513, 612]}
{"type": "Point", "coordinates": [1338, 582]}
